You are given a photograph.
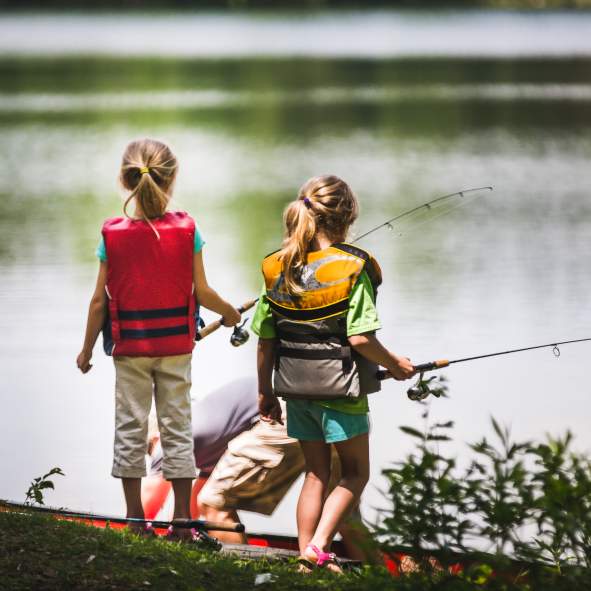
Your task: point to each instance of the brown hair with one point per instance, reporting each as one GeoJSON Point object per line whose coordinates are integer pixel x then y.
{"type": "Point", "coordinates": [324, 204]}
{"type": "Point", "coordinates": [148, 170]}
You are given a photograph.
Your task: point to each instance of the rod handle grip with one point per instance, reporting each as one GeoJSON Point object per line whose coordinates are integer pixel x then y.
{"type": "Point", "coordinates": [247, 305]}
{"type": "Point", "coordinates": [431, 365]}
{"type": "Point", "coordinates": [384, 374]}
{"type": "Point", "coordinates": [213, 326]}
{"type": "Point", "coordinates": [207, 330]}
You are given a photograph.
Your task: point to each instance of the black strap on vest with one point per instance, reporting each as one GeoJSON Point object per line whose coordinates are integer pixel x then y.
{"type": "Point", "coordinates": [374, 276]}
{"type": "Point", "coordinates": [153, 333]}
{"type": "Point", "coordinates": [311, 338]}
{"type": "Point", "coordinates": [310, 314]}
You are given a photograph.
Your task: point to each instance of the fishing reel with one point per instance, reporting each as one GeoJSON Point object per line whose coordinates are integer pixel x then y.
{"type": "Point", "coordinates": [423, 388]}
{"type": "Point", "coordinates": [239, 335]}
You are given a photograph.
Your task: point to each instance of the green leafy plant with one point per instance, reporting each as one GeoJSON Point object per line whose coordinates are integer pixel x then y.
{"type": "Point", "coordinates": [530, 503]}
{"type": "Point", "coordinates": [428, 503]}
{"type": "Point", "coordinates": [500, 490]}
{"type": "Point", "coordinates": [39, 484]}
{"type": "Point", "coordinates": [562, 506]}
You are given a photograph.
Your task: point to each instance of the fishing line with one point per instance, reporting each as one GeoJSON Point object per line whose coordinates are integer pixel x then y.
{"type": "Point", "coordinates": [239, 336]}
{"type": "Point", "coordinates": [427, 206]}
{"type": "Point", "coordinates": [431, 218]}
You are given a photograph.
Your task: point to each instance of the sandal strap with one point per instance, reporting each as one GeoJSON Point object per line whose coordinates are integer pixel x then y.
{"type": "Point", "coordinates": [322, 557]}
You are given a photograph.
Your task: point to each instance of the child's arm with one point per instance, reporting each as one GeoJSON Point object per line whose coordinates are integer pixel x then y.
{"type": "Point", "coordinates": [269, 406]}
{"type": "Point", "coordinates": [369, 346]}
{"type": "Point", "coordinates": [96, 317]}
{"type": "Point", "coordinates": [208, 297]}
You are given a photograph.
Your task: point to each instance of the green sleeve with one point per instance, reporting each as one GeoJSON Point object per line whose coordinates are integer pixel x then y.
{"type": "Point", "coordinates": [263, 324]}
{"type": "Point", "coordinates": [362, 315]}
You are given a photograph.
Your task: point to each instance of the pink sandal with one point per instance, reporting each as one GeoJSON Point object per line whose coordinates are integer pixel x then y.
{"type": "Point", "coordinates": [193, 536]}
{"type": "Point", "coordinates": [322, 558]}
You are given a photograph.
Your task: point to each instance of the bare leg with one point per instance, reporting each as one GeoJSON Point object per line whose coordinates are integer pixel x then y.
{"type": "Point", "coordinates": [224, 516]}
{"type": "Point", "coordinates": [132, 488]}
{"type": "Point", "coordinates": [354, 458]}
{"type": "Point", "coordinates": [309, 509]}
{"type": "Point", "coordinates": [182, 497]}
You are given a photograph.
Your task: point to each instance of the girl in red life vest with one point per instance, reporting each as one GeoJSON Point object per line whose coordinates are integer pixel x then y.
{"type": "Point", "coordinates": [151, 274]}
{"type": "Point", "coordinates": [316, 322]}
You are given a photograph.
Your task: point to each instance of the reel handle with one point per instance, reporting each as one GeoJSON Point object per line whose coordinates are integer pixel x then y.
{"type": "Point", "coordinates": [384, 374]}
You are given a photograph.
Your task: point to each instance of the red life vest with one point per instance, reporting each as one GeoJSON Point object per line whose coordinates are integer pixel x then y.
{"type": "Point", "coordinates": [150, 285]}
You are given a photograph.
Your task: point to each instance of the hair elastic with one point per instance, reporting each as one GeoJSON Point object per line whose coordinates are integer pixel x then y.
{"type": "Point", "coordinates": [144, 170]}
{"type": "Point", "coordinates": [307, 202]}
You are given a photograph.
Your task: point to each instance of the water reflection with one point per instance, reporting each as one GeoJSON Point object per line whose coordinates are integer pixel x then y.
{"type": "Point", "coordinates": [375, 34]}
{"type": "Point", "coordinates": [509, 269]}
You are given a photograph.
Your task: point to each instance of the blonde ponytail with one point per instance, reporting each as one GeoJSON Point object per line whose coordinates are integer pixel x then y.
{"type": "Point", "coordinates": [148, 171]}
{"type": "Point", "coordinates": [300, 228]}
{"type": "Point", "coordinates": [324, 203]}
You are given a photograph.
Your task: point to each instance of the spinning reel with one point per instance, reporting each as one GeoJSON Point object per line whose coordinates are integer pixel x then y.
{"type": "Point", "coordinates": [239, 335]}
{"type": "Point", "coordinates": [424, 387]}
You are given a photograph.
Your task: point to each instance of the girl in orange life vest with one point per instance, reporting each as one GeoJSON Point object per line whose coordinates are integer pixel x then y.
{"type": "Point", "coordinates": [316, 322]}
{"type": "Point", "coordinates": [151, 272]}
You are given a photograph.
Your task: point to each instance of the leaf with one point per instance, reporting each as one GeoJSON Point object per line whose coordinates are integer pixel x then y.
{"type": "Point", "coordinates": [90, 558]}
{"type": "Point", "coordinates": [502, 434]}
{"type": "Point", "coordinates": [438, 438]}
{"type": "Point", "coordinates": [447, 425]}
{"type": "Point", "coordinates": [412, 432]}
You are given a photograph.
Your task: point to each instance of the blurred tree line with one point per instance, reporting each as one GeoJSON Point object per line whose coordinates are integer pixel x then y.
{"type": "Point", "coordinates": [284, 4]}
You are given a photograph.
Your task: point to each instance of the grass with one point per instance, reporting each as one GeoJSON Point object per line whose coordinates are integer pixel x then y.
{"type": "Point", "coordinates": [38, 552]}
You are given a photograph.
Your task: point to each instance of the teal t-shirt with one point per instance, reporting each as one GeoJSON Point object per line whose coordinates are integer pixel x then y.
{"type": "Point", "coordinates": [362, 316]}
{"type": "Point", "coordinates": [101, 251]}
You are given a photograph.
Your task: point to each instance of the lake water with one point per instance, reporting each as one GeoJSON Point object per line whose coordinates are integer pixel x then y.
{"type": "Point", "coordinates": [404, 106]}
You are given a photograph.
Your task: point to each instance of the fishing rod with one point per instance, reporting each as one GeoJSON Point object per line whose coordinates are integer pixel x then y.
{"type": "Point", "coordinates": [198, 524]}
{"type": "Point", "coordinates": [240, 334]}
{"type": "Point", "coordinates": [426, 206]}
{"type": "Point", "coordinates": [422, 389]}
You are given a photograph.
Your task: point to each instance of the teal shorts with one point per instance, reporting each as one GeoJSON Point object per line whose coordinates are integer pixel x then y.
{"type": "Point", "coordinates": [308, 421]}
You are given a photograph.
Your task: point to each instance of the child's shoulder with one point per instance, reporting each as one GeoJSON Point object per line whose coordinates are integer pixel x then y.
{"type": "Point", "coordinates": [272, 262]}
{"type": "Point", "coordinates": [113, 222]}
{"type": "Point", "coordinates": [370, 264]}
{"type": "Point", "coordinates": [354, 250]}
{"type": "Point", "coordinates": [178, 217]}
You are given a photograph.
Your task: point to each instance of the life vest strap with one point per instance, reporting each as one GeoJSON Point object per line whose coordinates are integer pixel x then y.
{"type": "Point", "coordinates": [153, 333]}
{"type": "Point", "coordinates": [310, 314]}
{"type": "Point", "coordinates": [374, 273]}
{"type": "Point", "coordinates": [309, 338]}
{"type": "Point", "coordinates": [155, 313]}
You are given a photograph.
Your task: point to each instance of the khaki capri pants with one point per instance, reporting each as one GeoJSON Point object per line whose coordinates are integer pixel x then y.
{"type": "Point", "coordinates": [168, 381]}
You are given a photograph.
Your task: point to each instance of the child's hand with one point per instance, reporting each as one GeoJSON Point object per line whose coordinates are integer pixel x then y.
{"type": "Point", "coordinates": [231, 317]}
{"type": "Point", "coordinates": [269, 408]}
{"type": "Point", "coordinates": [401, 368]}
{"type": "Point", "coordinates": [83, 361]}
